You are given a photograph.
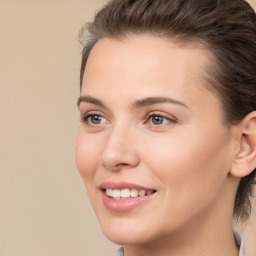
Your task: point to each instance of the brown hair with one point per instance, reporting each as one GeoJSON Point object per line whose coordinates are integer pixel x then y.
{"type": "Point", "coordinates": [227, 28]}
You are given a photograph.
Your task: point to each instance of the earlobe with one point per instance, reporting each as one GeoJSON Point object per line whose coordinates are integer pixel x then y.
{"type": "Point", "coordinates": [245, 159]}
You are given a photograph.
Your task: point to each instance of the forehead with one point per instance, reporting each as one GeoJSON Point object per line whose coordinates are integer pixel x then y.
{"type": "Point", "coordinates": [139, 64]}
{"type": "Point", "coordinates": [144, 53]}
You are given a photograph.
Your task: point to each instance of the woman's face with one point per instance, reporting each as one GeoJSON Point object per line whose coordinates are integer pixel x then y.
{"type": "Point", "coordinates": [152, 148]}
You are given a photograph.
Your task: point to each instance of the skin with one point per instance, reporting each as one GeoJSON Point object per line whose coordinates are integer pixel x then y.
{"type": "Point", "coordinates": [187, 159]}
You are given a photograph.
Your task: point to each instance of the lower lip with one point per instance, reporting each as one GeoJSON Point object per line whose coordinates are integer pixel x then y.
{"type": "Point", "coordinates": [124, 205]}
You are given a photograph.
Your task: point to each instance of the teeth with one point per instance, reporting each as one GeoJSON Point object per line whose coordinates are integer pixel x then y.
{"type": "Point", "coordinates": [142, 192]}
{"type": "Point", "coordinates": [116, 193]}
{"type": "Point", "coordinates": [109, 192]}
{"type": "Point", "coordinates": [134, 192]}
{"type": "Point", "coordinates": [126, 193]}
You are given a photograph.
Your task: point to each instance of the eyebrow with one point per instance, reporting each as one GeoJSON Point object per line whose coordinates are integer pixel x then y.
{"type": "Point", "coordinates": [137, 104]}
{"type": "Point", "coordinates": [89, 99]}
{"type": "Point", "coordinates": [156, 100]}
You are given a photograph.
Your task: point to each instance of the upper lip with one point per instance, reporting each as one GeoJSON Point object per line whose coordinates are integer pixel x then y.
{"type": "Point", "coordinates": [123, 185]}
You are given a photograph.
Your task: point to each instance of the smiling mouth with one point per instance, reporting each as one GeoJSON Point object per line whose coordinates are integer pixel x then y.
{"type": "Point", "coordinates": [119, 194]}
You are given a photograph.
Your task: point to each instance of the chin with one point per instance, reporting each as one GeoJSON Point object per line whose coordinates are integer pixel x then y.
{"type": "Point", "coordinates": [126, 231]}
{"type": "Point", "coordinates": [121, 232]}
{"type": "Point", "coordinates": [126, 237]}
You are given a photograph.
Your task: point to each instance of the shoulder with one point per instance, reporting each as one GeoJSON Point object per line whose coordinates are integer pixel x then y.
{"type": "Point", "coordinates": [240, 243]}
{"type": "Point", "coordinates": [120, 252]}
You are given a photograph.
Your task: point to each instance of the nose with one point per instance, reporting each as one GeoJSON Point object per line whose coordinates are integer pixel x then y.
{"type": "Point", "coordinates": [119, 151]}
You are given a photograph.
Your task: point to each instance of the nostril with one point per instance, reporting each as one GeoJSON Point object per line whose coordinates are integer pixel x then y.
{"type": "Point", "coordinates": [122, 164]}
{"type": "Point", "coordinates": [118, 166]}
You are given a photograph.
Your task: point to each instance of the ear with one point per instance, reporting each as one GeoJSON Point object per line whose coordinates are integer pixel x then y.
{"type": "Point", "coordinates": [245, 159]}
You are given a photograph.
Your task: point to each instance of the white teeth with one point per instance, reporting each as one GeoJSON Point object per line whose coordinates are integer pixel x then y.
{"type": "Point", "coordinates": [142, 192]}
{"type": "Point", "coordinates": [134, 192]}
{"type": "Point", "coordinates": [109, 192]}
{"type": "Point", "coordinates": [126, 193]}
{"type": "Point", "coordinates": [116, 193]}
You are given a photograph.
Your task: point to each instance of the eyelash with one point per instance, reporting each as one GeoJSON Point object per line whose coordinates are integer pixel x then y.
{"type": "Point", "coordinates": [163, 117]}
{"type": "Point", "coordinates": [87, 117]}
{"type": "Point", "coordinates": [168, 120]}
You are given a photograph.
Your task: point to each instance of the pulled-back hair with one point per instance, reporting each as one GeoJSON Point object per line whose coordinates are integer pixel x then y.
{"type": "Point", "coordinates": [227, 28]}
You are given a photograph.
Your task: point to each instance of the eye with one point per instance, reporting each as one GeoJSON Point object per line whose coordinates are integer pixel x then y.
{"type": "Point", "coordinates": [94, 119]}
{"type": "Point", "coordinates": [158, 120]}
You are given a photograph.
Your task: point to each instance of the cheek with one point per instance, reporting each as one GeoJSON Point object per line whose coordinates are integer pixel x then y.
{"type": "Point", "coordinates": [87, 156]}
{"type": "Point", "coordinates": [190, 167]}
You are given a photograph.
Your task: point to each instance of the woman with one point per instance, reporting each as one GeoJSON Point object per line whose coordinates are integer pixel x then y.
{"type": "Point", "coordinates": [167, 141]}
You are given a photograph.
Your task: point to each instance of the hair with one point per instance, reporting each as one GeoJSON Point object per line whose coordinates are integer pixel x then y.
{"type": "Point", "coordinates": [227, 28]}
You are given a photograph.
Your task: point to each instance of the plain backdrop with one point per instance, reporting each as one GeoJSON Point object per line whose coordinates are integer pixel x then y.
{"type": "Point", "coordinates": [44, 209]}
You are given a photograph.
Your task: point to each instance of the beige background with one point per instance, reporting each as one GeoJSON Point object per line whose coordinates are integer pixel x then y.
{"type": "Point", "coordinates": [44, 210]}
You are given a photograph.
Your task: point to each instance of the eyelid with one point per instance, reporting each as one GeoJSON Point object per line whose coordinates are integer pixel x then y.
{"type": "Point", "coordinates": [91, 111]}
{"type": "Point", "coordinates": [84, 118]}
{"type": "Point", "coordinates": [168, 117]}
